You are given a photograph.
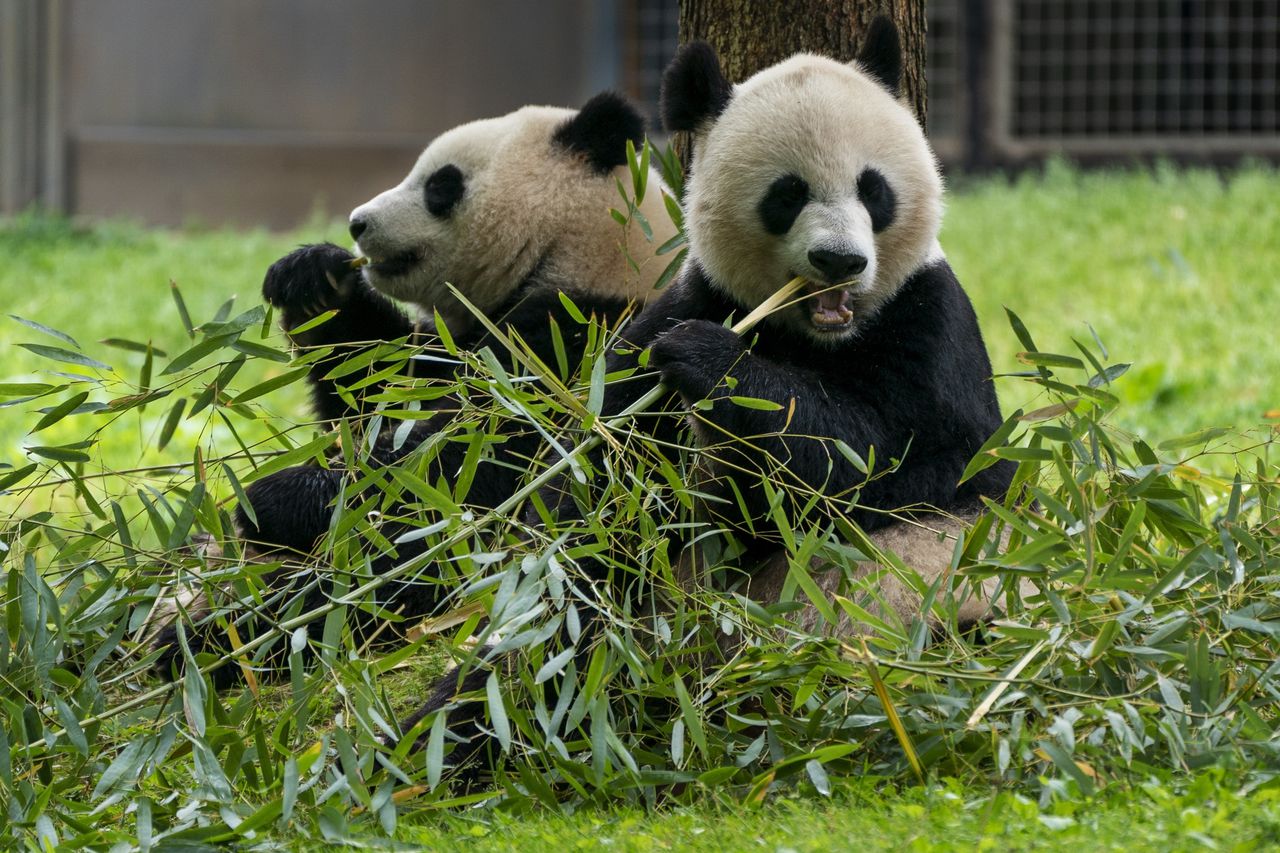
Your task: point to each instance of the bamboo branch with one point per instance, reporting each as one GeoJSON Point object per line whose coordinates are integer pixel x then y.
{"type": "Point", "coordinates": [467, 529]}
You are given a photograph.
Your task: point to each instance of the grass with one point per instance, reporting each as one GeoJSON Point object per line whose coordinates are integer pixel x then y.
{"type": "Point", "coordinates": [1206, 814]}
{"type": "Point", "coordinates": [1174, 270]}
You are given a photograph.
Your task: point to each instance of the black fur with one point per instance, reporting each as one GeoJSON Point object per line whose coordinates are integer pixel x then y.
{"type": "Point", "coordinates": [465, 724]}
{"type": "Point", "coordinates": [443, 190]}
{"type": "Point", "coordinates": [915, 383]}
{"type": "Point", "coordinates": [878, 198]}
{"type": "Point", "coordinates": [780, 206]}
{"type": "Point", "coordinates": [600, 130]}
{"type": "Point", "coordinates": [881, 53]}
{"type": "Point", "coordinates": [694, 89]}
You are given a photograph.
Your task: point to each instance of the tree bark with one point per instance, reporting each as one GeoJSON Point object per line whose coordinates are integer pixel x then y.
{"type": "Point", "coordinates": [753, 34]}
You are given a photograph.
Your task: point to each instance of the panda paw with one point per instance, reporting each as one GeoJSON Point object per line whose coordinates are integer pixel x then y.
{"type": "Point", "coordinates": [291, 509]}
{"type": "Point", "coordinates": [695, 356]}
{"type": "Point", "coordinates": [311, 280]}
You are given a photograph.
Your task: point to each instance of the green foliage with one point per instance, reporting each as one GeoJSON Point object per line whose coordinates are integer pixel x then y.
{"type": "Point", "coordinates": [1170, 266]}
{"type": "Point", "coordinates": [1137, 641]}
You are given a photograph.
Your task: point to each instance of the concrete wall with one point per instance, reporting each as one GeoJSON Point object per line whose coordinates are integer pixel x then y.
{"type": "Point", "coordinates": [263, 111]}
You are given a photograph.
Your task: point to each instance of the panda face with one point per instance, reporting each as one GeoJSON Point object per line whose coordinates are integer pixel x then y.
{"type": "Point", "coordinates": [490, 204]}
{"type": "Point", "coordinates": [415, 234]}
{"type": "Point", "coordinates": [813, 169]}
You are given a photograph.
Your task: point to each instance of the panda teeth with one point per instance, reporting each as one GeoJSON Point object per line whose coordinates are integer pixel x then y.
{"type": "Point", "coordinates": [395, 265]}
{"type": "Point", "coordinates": [830, 308]}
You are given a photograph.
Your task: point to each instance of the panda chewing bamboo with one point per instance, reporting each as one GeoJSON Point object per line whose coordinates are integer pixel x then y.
{"type": "Point", "coordinates": [811, 169]}
{"type": "Point", "coordinates": [513, 212]}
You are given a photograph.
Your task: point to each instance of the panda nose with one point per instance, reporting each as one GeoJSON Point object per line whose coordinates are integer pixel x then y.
{"type": "Point", "coordinates": [837, 266]}
{"type": "Point", "coordinates": [357, 227]}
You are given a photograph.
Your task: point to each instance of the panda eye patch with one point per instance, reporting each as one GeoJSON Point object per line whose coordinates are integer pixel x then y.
{"type": "Point", "coordinates": [878, 198]}
{"type": "Point", "coordinates": [780, 206]}
{"type": "Point", "coordinates": [444, 190]}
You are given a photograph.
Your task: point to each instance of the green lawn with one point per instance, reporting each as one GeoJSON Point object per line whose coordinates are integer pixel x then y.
{"type": "Point", "coordinates": [1176, 272]}
{"type": "Point", "coordinates": [944, 817]}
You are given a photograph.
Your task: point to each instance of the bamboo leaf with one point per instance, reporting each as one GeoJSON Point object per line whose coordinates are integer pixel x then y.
{"type": "Point", "coordinates": [61, 410]}
{"type": "Point", "coordinates": [269, 385]}
{"type": "Point", "coordinates": [171, 422]}
{"type": "Point", "coordinates": [64, 355]}
{"type": "Point", "coordinates": [40, 327]}
{"type": "Point", "coordinates": [183, 313]}
{"type": "Point", "coordinates": [498, 712]}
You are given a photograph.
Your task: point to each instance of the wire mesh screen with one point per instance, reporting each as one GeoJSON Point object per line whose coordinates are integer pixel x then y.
{"type": "Point", "coordinates": [944, 71]}
{"type": "Point", "coordinates": [1145, 68]}
{"type": "Point", "coordinates": [651, 42]}
{"type": "Point", "coordinates": [1097, 78]}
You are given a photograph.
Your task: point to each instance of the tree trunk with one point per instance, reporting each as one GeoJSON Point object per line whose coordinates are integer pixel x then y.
{"type": "Point", "coordinates": [753, 34]}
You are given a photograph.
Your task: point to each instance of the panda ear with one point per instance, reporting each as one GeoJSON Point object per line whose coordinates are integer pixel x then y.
{"type": "Point", "coordinates": [600, 130]}
{"type": "Point", "coordinates": [694, 89]}
{"type": "Point", "coordinates": [881, 54]}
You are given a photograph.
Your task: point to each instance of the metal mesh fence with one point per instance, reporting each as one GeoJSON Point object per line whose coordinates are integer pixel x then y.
{"type": "Point", "coordinates": [945, 76]}
{"type": "Point", "coordinates": [1108, 68]}
{"type": "Point", "coordinates": [651, 42]}
{"type": "Point", "coordinates": [1016, 79]}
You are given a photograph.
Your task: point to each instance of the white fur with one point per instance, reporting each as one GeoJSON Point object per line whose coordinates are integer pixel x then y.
{"type": "Point", "coordinates": [826, 122]}
{"type": "Point", "coordinates": [925, 545]}
{"type": "Point", "coordinates": [527, 201]}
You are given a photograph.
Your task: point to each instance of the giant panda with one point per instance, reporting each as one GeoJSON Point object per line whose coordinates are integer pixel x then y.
{"type": "Point", "coordinates": [513, 212]}
{"type": "Point", "coordinates": [811, 168]}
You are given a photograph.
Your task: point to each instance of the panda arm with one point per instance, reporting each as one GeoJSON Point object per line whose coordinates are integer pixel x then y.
{"type": "Point", "coordinates": [314, 279]}
{"type": "Point", "coordinates": [794, 444]}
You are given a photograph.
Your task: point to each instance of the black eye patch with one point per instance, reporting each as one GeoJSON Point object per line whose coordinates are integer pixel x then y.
{"type": "Point", "coordinates": [780, 206]}
{"type": "Point", "coordinates": [444, 190]}
{"type": "Point", "coordinates": [878, 198]}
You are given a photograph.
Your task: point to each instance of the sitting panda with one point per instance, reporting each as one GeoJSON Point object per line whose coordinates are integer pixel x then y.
{"type": "Point", "coordinates": [811, 168]}
{"type": "Point", "coordinates": [513, 212]}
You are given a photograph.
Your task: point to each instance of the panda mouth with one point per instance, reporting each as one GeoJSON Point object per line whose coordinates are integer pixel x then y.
{"type": "Point", "coordinates": [828, 306]}
{"type": "Point", "coordinates": [395, 265]}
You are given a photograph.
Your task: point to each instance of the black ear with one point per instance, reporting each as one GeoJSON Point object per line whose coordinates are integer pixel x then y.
{"type": "Point", "coordinates": [881, 54]}
{"type": "Point", "coordinates": [600, 130]}
{"type": "Point", "coordinates": [694, 88]}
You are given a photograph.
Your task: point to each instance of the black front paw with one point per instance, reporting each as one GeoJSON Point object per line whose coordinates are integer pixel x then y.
{"type": "Point", "coordinates": [291, 509]}
{"type": "Point", "coordinates": [695, 356]}
{"type": "Point", "coordinates": [311, 280]}
{"type": "Point", "coordinates": [171, 664]}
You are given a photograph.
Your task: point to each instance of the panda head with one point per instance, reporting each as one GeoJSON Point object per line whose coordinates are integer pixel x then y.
{"type": "Point", "coordinates": [497, 203]}
{"type": "Point", "coordinates": [810, 168]}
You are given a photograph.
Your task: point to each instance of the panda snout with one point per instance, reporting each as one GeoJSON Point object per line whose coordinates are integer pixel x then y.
{"type": "Point", "coordinates": [837, 267]}
{"type": "Point", "coordinates": [357, 226]}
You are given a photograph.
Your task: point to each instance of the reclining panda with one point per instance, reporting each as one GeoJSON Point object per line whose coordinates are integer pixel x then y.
{"type": "Point", "coordinates": [514, 213]}
{"type": "Point", "coordinates": [811, 168]}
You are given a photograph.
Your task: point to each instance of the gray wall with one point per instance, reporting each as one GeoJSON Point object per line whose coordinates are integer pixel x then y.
{"type": "Point", "coordinates": [261, 111]}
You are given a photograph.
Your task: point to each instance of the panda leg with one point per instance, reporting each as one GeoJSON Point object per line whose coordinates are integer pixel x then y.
{"type": "Point", "coordinates": [926, 545]}
{"type": "Point", "coordinates": [473, 752]}
{"type": "Point", "coordinates": [203, 635]}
